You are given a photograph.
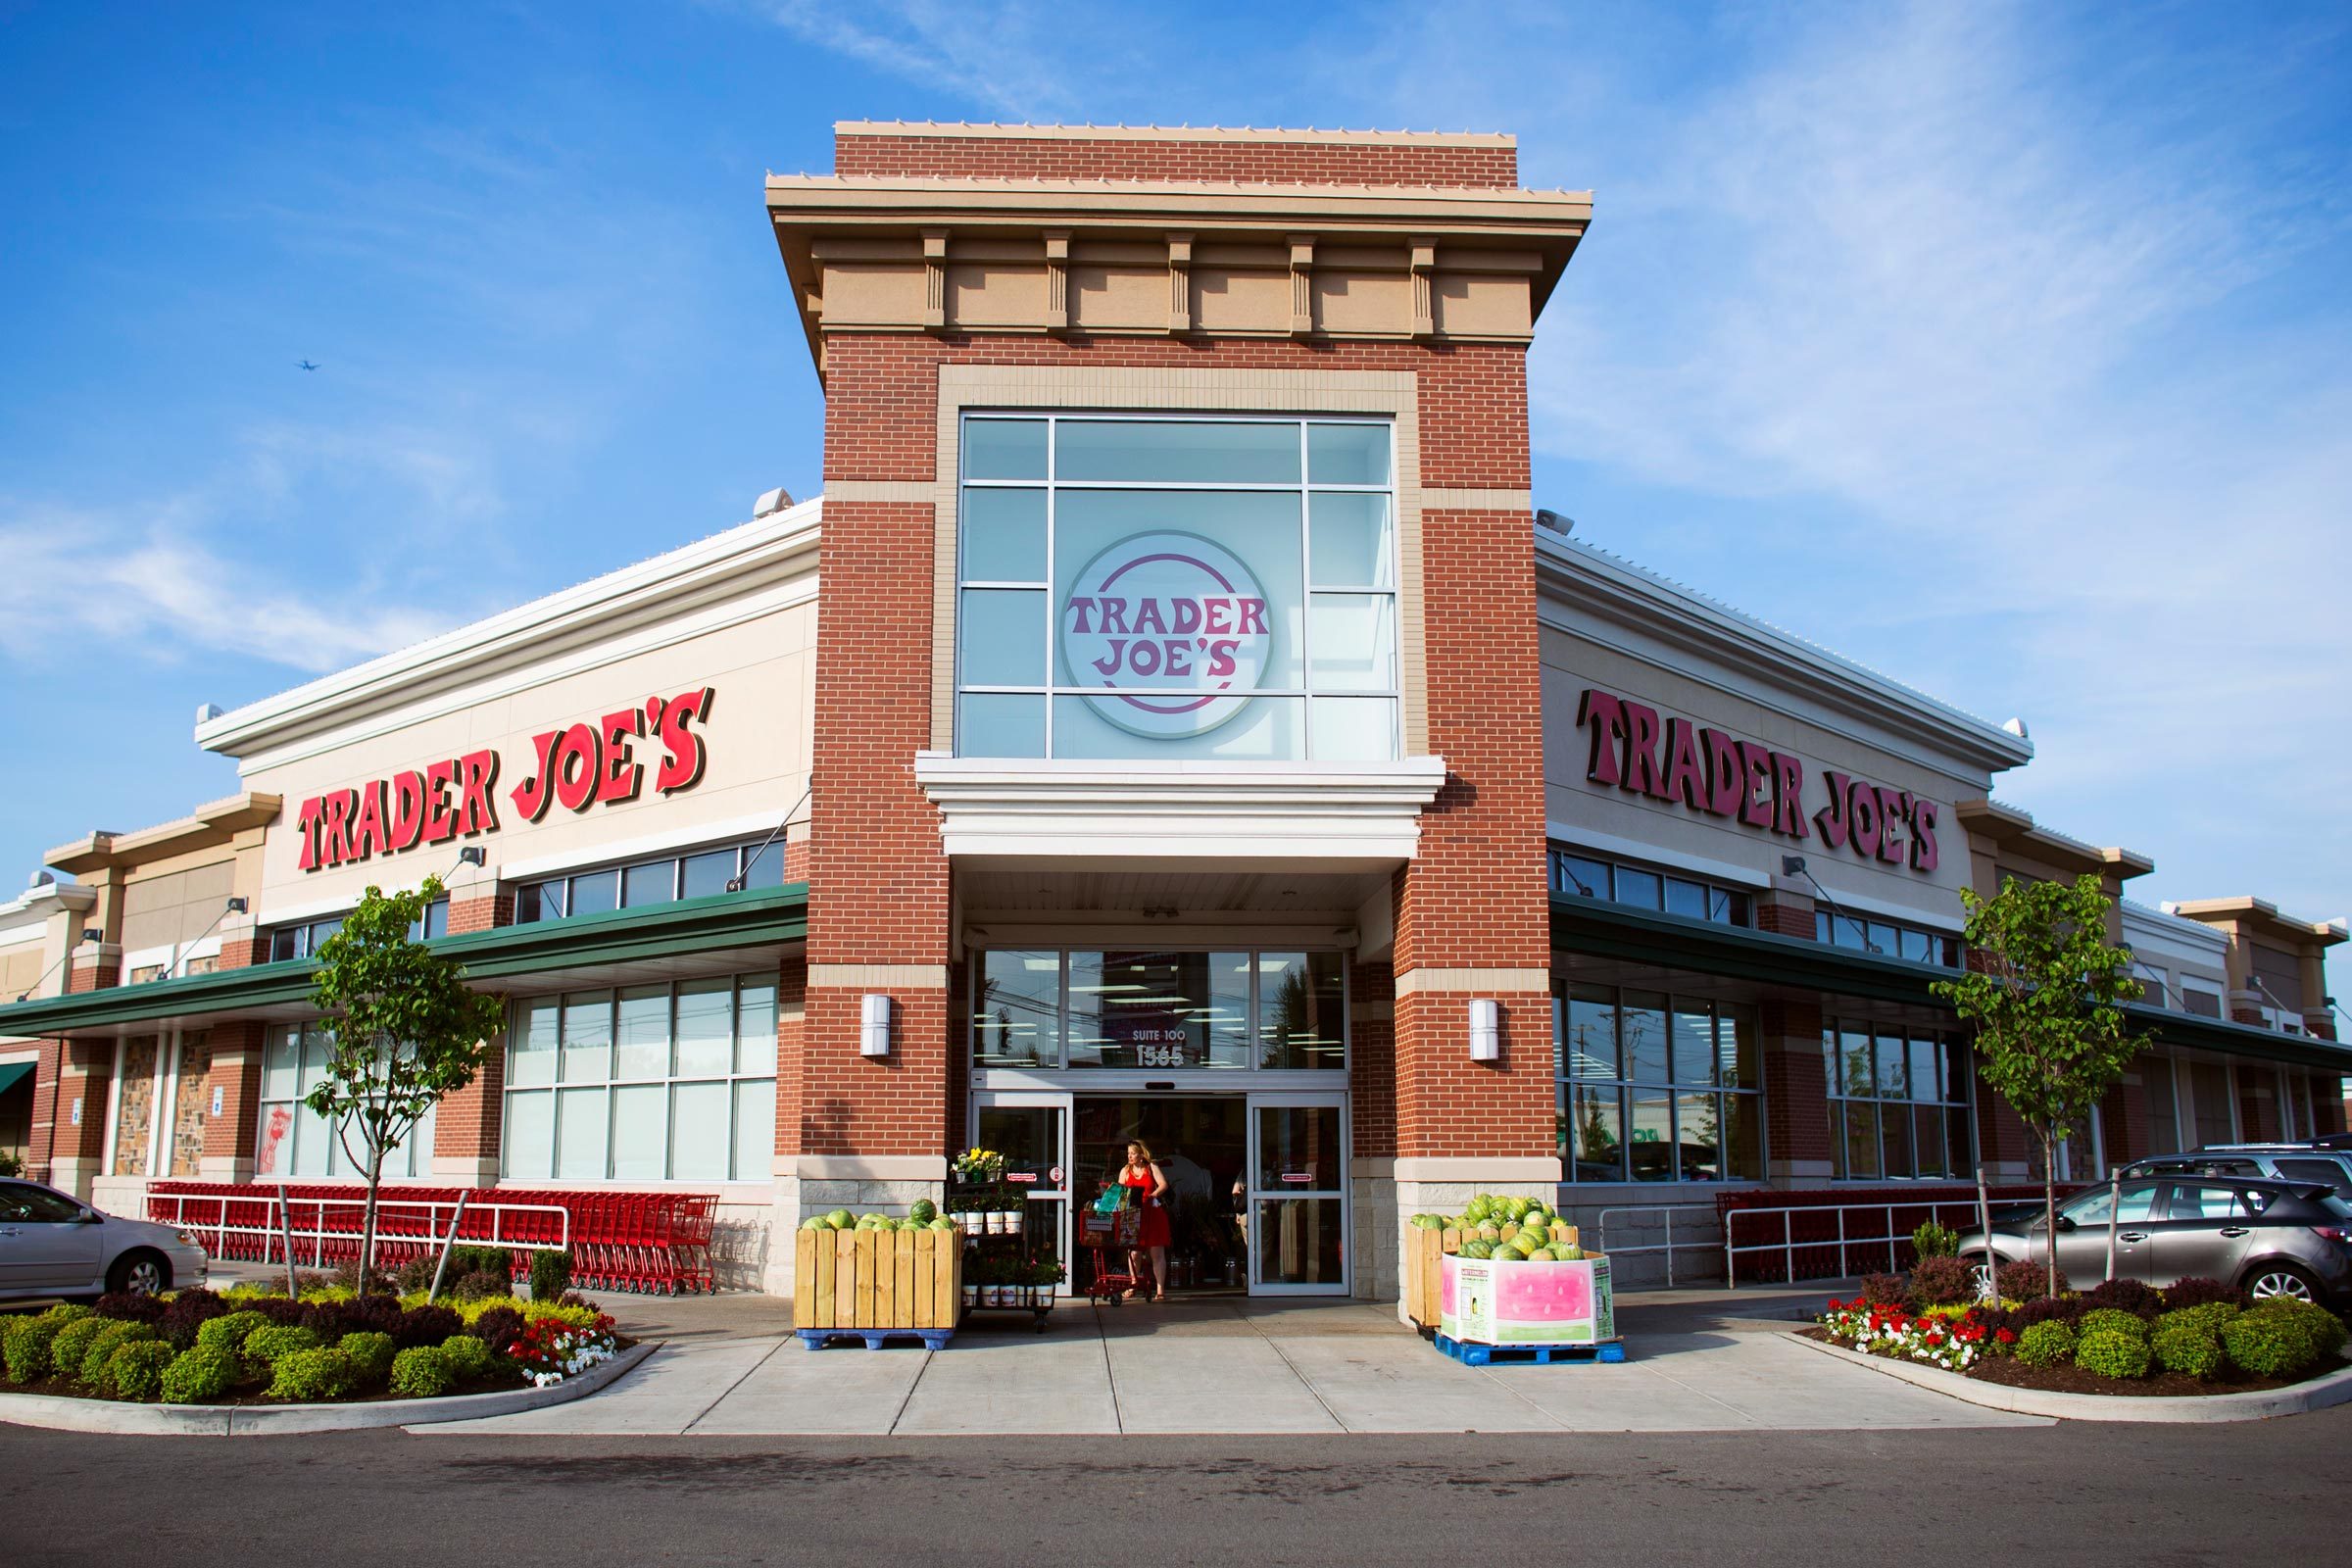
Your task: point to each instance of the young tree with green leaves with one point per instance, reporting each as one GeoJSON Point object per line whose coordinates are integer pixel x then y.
{"type": "Point", "coordinates": [2041, 991]}
{"type": "Point", "coordinates": [406, 1031]}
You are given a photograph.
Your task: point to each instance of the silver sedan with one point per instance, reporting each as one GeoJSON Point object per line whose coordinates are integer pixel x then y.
{"type": "Point", "coordinates": [53, 1244]}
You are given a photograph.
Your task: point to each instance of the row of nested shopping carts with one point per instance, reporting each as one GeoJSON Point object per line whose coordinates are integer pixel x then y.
{"type": "Point", "coordinates": [647, 1243]}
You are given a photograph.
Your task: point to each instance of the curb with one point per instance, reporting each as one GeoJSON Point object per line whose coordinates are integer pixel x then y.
{"type": "Point", "coordinates": [61, 1414]}
{"type": "Point", "coordinates": [2204, 1410]}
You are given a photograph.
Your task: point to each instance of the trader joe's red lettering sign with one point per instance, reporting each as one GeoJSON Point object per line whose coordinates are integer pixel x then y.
{"type": "Point", "coordinates": [1707, 770]}
{"type": "Point", "coordinates": [576, 767]}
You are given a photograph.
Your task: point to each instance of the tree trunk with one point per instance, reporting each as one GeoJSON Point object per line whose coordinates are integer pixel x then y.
{"type": "Point", "coordinates": [375, 1177]}
{"type": "Point", "coordinates": [2050, 1203]}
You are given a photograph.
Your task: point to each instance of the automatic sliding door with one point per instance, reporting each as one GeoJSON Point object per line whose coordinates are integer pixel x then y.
{"type": "Point", "coordinates": [1298, 1196]}
{"type": "Point", "coordinates": [1032, 1132]}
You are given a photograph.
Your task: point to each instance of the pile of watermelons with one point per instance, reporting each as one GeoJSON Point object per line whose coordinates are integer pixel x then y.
{"type": "Point", "coordinates": [921, 1215]}
{"type": "Point", "coordinates": [1512, 1229]}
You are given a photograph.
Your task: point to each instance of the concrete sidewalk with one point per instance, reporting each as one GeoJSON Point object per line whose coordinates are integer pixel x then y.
{"type": "Point", "coordinates": [1227, 1365]}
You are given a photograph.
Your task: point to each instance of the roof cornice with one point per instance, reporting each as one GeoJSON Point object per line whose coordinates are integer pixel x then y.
{"type": "Point", "coordinates": [985, 132]}
{"type": "Point", "coordinates": [208, 826]}
{"type": "Point", "coordinates": [1597, 583]}
{"type": "Point", "coordinates": [706, 568]}
{"type": "Point", "coordinates": [2006, 824]}
{"type": "Point", "coordinates": [2260, 917]}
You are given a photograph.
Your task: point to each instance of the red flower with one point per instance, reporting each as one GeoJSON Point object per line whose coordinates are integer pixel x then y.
{"type": "Point", "coordinates": [2006, 1336]}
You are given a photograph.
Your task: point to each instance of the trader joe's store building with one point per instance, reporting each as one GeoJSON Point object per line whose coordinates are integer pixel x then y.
{"type": "Point", "coordinates": [1172, 721]}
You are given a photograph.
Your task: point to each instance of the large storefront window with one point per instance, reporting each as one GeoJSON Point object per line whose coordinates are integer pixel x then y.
{"type": "Point", "coordinates": [644, 1082]}
{"type": "Point", "coordinates": [1588, 876]}
{"type": "Point", "coordinates": [1898, 1102]}
{"type": "Point", "coordinates": [1149, 586]}
{"type": "Point", "coordinates": [1657, 1089]}
{"type": "Point", "coordinates": [295, 1140]}
{"type": "Point", "coordinates": [1053, 1008]}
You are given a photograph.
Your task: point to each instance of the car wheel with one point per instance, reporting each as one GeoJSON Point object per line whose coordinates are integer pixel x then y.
{"type": "Point", "coordinates": [1981, 1269]}
{"type": "Point", "coordinates": [2281, 1279]}
{"type": "Point", "coordinates": [141, 1273]}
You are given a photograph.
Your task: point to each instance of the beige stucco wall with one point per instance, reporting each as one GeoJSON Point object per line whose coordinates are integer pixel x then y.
{"type": "Point", "coordinates": [755, 737]}
{"type": "Point", "coordinates": [1783, 720]}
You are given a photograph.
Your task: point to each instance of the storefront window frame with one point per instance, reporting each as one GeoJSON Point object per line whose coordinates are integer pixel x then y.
{"type": "Point", "coordinates": [1582, 873]}
{"type": "Point", "coordinates": [740, 1165]}
{"type": "Point", "coordinates": [1886, 938]}
{"type": "Point", "coordinates": [1254, 1068]}
{"type": "Point", "coordinates": [1309, 694]}
{"type": "Point", "coordinates": [1663, 1088]}
{"type": "Point", "coordinates": [412, 1160]}
{"type": "Point", "coordinates": [759, 868]}
{"type": "Point", "coordinates": [1955, 1060]}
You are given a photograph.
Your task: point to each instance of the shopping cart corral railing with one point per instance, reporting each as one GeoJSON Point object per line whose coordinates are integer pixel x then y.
{"type": "Point", "coordinates": [1700, 1236]}
{"type": "Point", "coordinates": [257, 1226]}
{"type": "Point", "coordinates": [1831, 1239]}
{"type": "Point", "coordinates": [620, 1241]}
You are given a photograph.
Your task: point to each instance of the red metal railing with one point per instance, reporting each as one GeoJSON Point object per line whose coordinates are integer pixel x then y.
{"type": "Point", "coordinates": [653, 1243]}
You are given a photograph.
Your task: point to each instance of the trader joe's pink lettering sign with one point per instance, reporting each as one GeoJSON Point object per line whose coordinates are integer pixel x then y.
{"type": "Point", "coordinates": [1708, 770]}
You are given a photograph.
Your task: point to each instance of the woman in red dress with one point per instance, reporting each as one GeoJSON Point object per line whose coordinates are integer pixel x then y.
{"type": "Point", "coordinates": [1148, 1185]}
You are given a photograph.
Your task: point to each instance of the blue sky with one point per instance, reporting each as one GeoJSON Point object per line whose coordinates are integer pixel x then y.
{"type": "Point", "coordinates": [2001, 347]}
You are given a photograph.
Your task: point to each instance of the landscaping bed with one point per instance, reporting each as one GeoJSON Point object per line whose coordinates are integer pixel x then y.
{"type": "Point", "coordinates": [2120, 1338]}
{"type": "Point", "coordinates": [255, 1347]}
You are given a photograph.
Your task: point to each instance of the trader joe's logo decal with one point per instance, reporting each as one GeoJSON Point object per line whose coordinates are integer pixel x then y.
{"type": "Point", "coordinates": [1165, 627]}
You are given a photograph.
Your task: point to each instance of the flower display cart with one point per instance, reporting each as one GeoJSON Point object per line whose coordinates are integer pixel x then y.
{"type": "Point", "coordinates": [1006, 1266]}
{"type": "Point", "coordinates": [876, 1285]}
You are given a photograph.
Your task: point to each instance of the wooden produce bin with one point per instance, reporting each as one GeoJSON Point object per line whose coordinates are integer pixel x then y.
{"type": "Point", "coordinates": [875, 1284]}
{"type": "Point", "coordinates": [1426, 1245]}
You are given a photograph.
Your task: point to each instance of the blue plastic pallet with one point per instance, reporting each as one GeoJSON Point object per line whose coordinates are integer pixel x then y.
{"type": "Point", "coordinates": [1472, 1354]}
{"type": "Point", "coordinates": [873, 1339]}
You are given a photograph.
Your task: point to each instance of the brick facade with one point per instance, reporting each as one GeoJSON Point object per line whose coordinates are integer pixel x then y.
{"type": "Point", "coordinates": [1289, 161]}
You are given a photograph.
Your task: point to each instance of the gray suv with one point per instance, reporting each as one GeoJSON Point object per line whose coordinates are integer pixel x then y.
{"type": "Point", "coordinates": [2279, 1163]}
{"type": "Point", "coordinates": [2268, 1238]}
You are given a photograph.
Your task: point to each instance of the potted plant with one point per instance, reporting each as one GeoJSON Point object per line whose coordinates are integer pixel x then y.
{"type": "Point", "coordinates": [1043, 1275]}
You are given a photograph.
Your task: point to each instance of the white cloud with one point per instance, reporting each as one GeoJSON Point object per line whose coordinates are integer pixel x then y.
{"type": "Point", "coordinates": [1001, 57]}
{"type": "Point", "coordinates": [69, 577]}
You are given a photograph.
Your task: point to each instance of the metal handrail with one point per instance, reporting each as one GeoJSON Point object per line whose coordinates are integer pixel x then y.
{"type": "Point", "coordinates": [421, 1221]}
{"type": "Point", "coordinates": [1789, 1245]}
{"type": "Point", "coordinates": [1601, 1226]}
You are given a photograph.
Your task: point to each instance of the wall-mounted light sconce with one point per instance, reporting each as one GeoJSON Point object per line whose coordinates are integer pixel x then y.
{"type": "Point", "coordinates": [90, 933]}
{"type": "Point", "coordinates": [1486, 1030]}
{"type": "Point", "coordinates": [238, 906]}
{"type": "Point", "coordinates": [873, 1026]}
{"type": "Point", "coordinates": [474, 854]}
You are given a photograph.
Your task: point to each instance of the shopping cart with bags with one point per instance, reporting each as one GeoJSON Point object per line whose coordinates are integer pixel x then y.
{"type": "Point", "coordinates": [1106, 1240]}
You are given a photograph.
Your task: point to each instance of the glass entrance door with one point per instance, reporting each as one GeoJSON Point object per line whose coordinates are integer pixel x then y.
{"type": "Point", "coordinates": [1032, 1131]}
{"type": "Point", "coordinates": [1298, 1196]}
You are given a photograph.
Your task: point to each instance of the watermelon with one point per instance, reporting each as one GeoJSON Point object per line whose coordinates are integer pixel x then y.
{"type": "Point", "coordinates": [839, 1219]}
{"type": "Point", "coordinates": [923, 1210]}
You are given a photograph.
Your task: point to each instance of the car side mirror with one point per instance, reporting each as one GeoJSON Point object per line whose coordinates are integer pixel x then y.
{"type": "Point", "coordinates": [2066, 1222]}
{"type": "Point", "coordinates": [89, 1216]}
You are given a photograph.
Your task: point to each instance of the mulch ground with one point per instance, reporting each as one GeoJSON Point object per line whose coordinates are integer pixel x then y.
{"type": "Point", "coordinates": [2012, 1373]}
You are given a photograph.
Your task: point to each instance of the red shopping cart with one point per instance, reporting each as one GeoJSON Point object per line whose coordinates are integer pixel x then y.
{"type": "Point", "coordinates": [1106, 1243]}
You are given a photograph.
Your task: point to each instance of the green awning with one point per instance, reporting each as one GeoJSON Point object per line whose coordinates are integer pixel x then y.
{"type": "Point", "coordinates": [11, 1071]}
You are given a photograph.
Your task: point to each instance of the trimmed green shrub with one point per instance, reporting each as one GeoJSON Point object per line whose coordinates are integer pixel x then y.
{"type": "Point", "coordinates": [1931, 1240]}
{"type": "Point", "coordinates": [72, 1343]}
{"type": "Point", "coordinates": [24, 1345]}
{"type": "Point", "coordinates": [551, 1274]}
{"type": "Point", "coordinates": [265, 1346]}
{"type": "Point", "coordinates": [2269, 1344]}
{"type": "Point", "coordinates": [69, 1312]}
{"type": "Point", "coordinates": [2112, 1320]}
{"type": "Point", "coordinates": [421, 1372]}
{"type": "Point", "coordinates": [2050, 1344]}
{"type": "Point", "coordinates": [136, 1371]}
{"type": "Point", "coordinates": [2183, 1342]}
{"type": "Point", "coordinates": [468, 1357]}
{"type": "Point", "coordinates": [2114, 1353]}
{"type": "Point", "coordinates": [311, 1374]}
{"type": "Point", "coordinates": [102, 1348]}
{"type": "Point", "coordinates": [370, 1356]}
{"type": "Point", "coordinates": [200, 1375]}
{"type": "Point", "coordinates": [227, 1333]}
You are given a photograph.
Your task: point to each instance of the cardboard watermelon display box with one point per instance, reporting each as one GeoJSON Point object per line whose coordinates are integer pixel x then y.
{"type": "Point", "coordinates": [1492, 1300]}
